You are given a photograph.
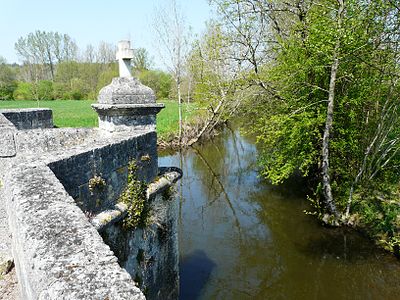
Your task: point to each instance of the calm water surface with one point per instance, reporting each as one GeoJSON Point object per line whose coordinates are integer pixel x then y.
{"type": "Point", "coordinates": [241, 238]}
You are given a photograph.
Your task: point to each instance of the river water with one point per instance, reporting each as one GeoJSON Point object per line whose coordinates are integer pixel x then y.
{"type": "Point", "coordinates": [242, 238]}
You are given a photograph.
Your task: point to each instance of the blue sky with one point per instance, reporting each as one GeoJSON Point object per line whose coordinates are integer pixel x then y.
{"type": "Point", "coordinates": [90, 21]}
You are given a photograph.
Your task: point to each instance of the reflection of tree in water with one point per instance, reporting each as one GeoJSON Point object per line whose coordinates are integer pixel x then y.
{"type": "Point", "coordinates": [222, 189]}
{"type": "Point", "coordinates": [261, 243]}
{"type": "Point", "coordinates": [226, 156]}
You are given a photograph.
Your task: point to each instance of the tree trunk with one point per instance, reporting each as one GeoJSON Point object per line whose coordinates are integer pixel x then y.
{"type": "Point", "coordinates": [326, 180]}
{"type": "Point", "coordinates": [178, 86]}
{"type": "Point", "coordinates": [215, 112]}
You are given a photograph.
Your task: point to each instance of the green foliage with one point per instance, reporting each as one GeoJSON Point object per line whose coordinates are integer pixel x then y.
{"type": "Point", "coordinates": [286, 69]}
{"type": "Point", "coordinates": [7, 81]}
{"type": "Point", "coordinates": [82, 80]}
{"type": "Point", "coordinates": [106, 76]}
{"type": "Point", "coordinates": [289, 143]}
{"type": "Point", "coordinates": [42, 90]}
{"type": "Point", "coordinates": [23, 91]}
{"type": "Point", "coordinates": [96, 183]}
{"type": "Point", "coordinates": [135, 197]}
{"type": "Point", "coordinates": [141, 59]}
{"type": "Point", "coordinates": [159, 81]}
{"type": "Point", "coordinates": [291, 124]}
{"type": "Point", "coordinates": [379, 207]}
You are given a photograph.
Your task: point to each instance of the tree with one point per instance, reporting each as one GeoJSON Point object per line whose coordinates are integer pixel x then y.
{"type": "Point", "coordinates": [214, 77]}
{"type": "Point", "coordinates": [327, 106]}
{"type": "Point", "coordinates": [141, 60]}
{"type": "Point", "coordinates": [326, 180]}
{"type": "Point", "coordinates": [159, 81]}
{"type": "Point", "coordinates": [42, 50]}
{"type": "Point", "coordinates": [105, 53]}
{"type": "Point", "coordinates": [7, 80]}
{"type": "Point", "coordinates": [173, 38]}
{"type": "Point", "coordinates": [89, 55]}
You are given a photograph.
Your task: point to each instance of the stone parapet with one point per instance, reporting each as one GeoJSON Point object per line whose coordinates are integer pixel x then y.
{"type": "Point", "coordinates": [58, 254]}
{"type": "Point", "coordinates": [29, 118]}
{"type": "Point", "coordinates": [57, 251]}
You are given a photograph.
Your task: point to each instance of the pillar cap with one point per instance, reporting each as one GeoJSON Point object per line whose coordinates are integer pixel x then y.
{"type": "Point", "coordinates": [124, 90]}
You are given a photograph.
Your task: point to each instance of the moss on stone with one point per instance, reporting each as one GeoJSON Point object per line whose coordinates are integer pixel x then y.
{"type": "Point", "coordinates": [134, 196]}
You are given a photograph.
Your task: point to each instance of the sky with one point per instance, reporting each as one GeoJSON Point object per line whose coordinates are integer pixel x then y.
{"type": "Point", "coordinates": [91, 21]}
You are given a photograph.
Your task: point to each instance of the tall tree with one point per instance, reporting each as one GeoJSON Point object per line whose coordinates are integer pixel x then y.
{"type": "Point", "coordinates": [141, 59]}
{"type": "Point", "coordinates": [42, 50]}
{"type": "Point", "coordinates": [214, 76]}
{"type": "Point", "coordinates": [105, 53]}
{"type": "Point", "coordinates": [328, 103]}
{"type": "Point", "coordinates": [173, 38]}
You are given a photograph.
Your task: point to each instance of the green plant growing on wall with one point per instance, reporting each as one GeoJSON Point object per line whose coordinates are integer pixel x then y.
{"type": "Point", "coordinates": [97, 183]}
{"type": "Point", "coordinates": [168, 193]}
{"type": "Point", "coordinates": [134, 196]}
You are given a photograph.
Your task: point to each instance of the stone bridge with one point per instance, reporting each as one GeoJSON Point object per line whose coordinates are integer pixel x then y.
{"type": "Point", "coordinates": [68, 242]}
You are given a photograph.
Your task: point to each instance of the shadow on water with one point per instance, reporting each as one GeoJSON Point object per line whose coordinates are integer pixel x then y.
{"type": "Point", "coordinates": [340, 244]}
{"type": "Point", "coordinates": [241, 238]}
{"type": "Point", "coordinates": [195, 270]}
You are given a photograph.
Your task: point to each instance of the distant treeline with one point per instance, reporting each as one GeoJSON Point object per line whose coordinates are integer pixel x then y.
{"type": "Point", "coordinates": [54, 68]}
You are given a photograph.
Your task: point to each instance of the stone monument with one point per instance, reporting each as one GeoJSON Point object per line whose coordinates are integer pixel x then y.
{"type": "Point", "coordinates": [126, 104]}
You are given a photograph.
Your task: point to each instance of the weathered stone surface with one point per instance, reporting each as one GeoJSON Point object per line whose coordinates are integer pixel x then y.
{"type": "Point", "coordinates": [5, 123]}
{"type": "Point", "coordinates": [58, 254]}
{"type": "Point", "coordinates": [7, 143]}
{"type": "Point", "coordinates": [44, 217]}
{"type": "Point", "coordinates": [75, 168]}
{"type": "Point", "coordinates": [38, 140]}
{"type": "Point", "coordinates": [126, 104]}
{"type": "Point", "coordinates": [29, 118]}
{"type": "Point", "coordinates": [6, 259]}
{"type": "Point", "coordinates": [127, 116]}
{"type": "Point", "coordinates": [124, 56]}
{"type": "Point", "coordinates": [165, 179]}
{"type": "Point", "coordinates": [126, 90]}
{"type": "Point", "coordinates": [9, 286]}
{"type": "Point", "coordinates": [150, 254]}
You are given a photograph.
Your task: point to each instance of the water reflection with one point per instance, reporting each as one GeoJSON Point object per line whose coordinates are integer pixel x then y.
{"type": "Point", "coordinates": [244, 239]}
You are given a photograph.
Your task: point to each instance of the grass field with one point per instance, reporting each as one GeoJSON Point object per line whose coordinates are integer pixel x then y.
{"type": "Point", "coordinates": [78, 113]}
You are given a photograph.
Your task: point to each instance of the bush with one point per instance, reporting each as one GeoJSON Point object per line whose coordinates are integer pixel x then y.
{"type": "Point", "coordinates": [7, 90]}
{"type": "Point", "coordinates": [44, 90]}
{"type": "Point", "coordinates": [23, 91]}
{"type": "Point", "coordinates": [159, 81]}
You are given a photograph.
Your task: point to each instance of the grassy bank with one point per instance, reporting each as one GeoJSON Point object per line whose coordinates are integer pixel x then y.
{"type": "Point", "coordinates": [78, 113]}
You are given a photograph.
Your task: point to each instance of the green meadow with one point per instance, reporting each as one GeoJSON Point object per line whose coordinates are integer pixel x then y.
{"type": "Point", "coordinates": [79, 113]}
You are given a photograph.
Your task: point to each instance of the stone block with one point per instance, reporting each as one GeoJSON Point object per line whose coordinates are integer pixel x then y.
{"type": "Point", "coordinates": [7, 143]}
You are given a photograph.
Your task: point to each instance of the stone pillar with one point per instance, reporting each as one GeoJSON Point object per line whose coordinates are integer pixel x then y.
{"type": "Point", "coordinates": [126, 104]}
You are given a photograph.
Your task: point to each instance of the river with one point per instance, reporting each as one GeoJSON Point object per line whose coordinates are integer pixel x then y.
{"type": "Point", "coordinates": [242, 238]}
